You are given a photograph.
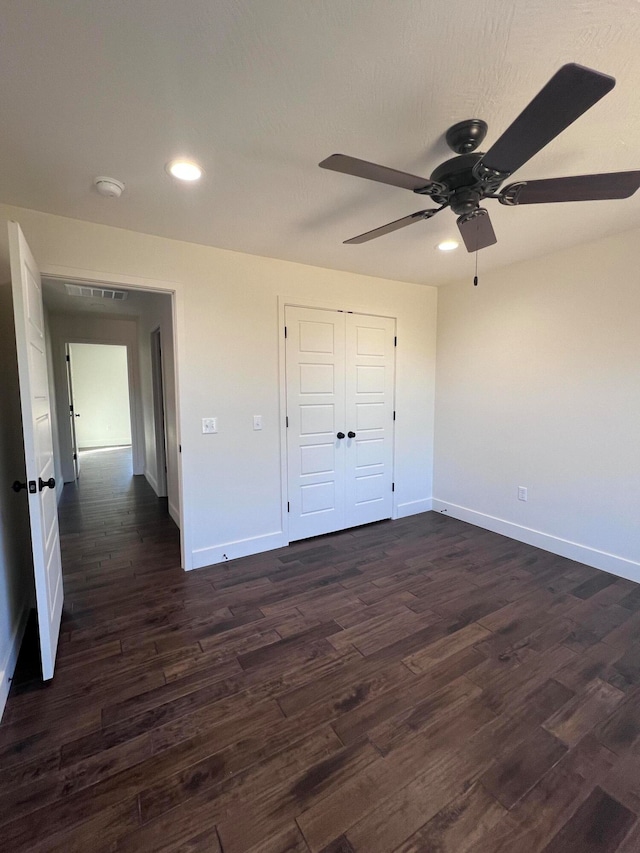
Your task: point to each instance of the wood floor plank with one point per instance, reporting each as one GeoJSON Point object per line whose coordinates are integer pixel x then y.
{"type": "Point", "coordinates": [578, 717]}
{"type": "Point", "coordinates": [457, 826]}
{"type": "Point", "coordinates": [511, 777]}
{"type": "Point", "coordinates": [599, 825]}
{"type": "Point", "coordinates": [412, 685]}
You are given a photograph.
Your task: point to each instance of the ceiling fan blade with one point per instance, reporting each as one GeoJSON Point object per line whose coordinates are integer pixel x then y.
{"type": "Point", "coordinates": [373, 172]}
{"type": "Point", "coordinates": [571, 92]}
{"type": "Point", "coordinates": [477, 231]}
{"type": "Point", "coordinates": [576, 188]}
{"type": "Point", "coordinates": [394, 226]}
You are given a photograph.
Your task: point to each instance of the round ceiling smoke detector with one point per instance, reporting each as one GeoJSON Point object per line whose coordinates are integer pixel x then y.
{"type": "Point", "coordinates": [109, 187]}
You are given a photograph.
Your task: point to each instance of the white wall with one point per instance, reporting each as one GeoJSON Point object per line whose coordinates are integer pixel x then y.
{"type": "Point", "coordinates": [228, 349]}
{"type": "Point", "coordinates": [15, 557]}
{"type": "Point", "coordinates": [82, 328]}
{"type": "Point", "coordinates": [538, 385]}
{"type": "Point", "coordinates": [100, 395]}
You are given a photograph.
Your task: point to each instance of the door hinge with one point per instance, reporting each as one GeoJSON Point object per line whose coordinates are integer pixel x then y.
{"type": "Point", "coordinates": [285, 332]}
{"type": "Point", "coordinates": [75, 456]}
{"type": "Point", "coordinates": [179, 448]}
{"type": "Point", "coordinates": [66, 358]}
{"type": "Point", "coordinates": [288, 509]}
{"type": "Point", "coordinates": [71, 409]}
{"type": "Point", "coordinates": [395, 341]}
{"type": "Point", "coordinates": [287, 421]}
{"type": "Point", "coordinates": [394, 415]}
{"type": "Point", "coordinates": [393, 487]}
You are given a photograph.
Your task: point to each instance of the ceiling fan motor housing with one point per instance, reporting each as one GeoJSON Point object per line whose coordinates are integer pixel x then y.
{"type": "Point", "coordinates": [465, 190]}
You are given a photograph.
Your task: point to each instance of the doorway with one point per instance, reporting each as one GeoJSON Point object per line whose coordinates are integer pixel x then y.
{"type": "Point", "coordinates": [99, 396]}
{"type": "Point", "coordinates": [123, 388]}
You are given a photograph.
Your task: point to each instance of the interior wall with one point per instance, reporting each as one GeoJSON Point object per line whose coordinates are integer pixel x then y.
{"type": "Point", "coordinates": [83, 328]}
{"type": "Point", "coordinates": [158, 314]}
{"type": "Point", "coordinates": [228, 367]}
{"type": "Point", "coordinates": [100, 395]}
{"type": "Point", "coordinates": [538, 385]}
{"type": "Point", "coordinates": [16, 570]}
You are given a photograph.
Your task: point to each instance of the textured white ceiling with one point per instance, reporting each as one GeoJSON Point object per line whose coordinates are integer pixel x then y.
{"type": "Point", "coordinates": [259, 91]}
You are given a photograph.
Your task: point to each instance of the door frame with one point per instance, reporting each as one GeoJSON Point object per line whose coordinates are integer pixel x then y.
{"type": "Point", "coordinates": [75, 462]}
{"type": "Point", "coordinates": [174, 290]}
{"type": "Point", "coordinates": [295, 302]}
{"type": "Point", "coordinates": [159, 409]}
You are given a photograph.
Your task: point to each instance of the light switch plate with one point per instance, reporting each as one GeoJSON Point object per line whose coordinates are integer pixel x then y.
{"type": "Point", "coordinates": [257, 421]}
{"type": "Point", "coordinates": [209, 425]}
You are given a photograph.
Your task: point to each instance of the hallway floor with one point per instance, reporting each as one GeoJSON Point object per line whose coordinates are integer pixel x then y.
{"type": "Point", "coordinates": [416, 685]}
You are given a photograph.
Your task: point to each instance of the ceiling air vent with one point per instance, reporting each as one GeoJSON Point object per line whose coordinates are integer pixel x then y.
{"type": "Point", "coordinates": [96, 292]}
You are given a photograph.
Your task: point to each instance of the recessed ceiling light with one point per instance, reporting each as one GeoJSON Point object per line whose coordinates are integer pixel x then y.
{"type": "Point", "coordinates": [448, 245]}
{"type": "Point", "coordinates": [184, 170]}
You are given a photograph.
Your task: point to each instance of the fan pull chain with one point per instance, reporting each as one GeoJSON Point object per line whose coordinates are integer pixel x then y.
{"type": "Point", "coordinates": [475, 278]}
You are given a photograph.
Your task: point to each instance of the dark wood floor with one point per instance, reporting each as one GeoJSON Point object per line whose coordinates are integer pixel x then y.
{"type": "Point", "coordinates": [418, 685]}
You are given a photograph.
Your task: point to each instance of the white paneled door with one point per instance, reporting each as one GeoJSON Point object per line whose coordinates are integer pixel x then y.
{"type": "Point", "coordinates": [340, 390]}
{"type": "Point", "coordinates": [38, 444]}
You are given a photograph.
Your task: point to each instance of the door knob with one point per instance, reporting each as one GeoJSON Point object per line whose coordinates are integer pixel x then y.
{"type": "Point", "coordinates": [340, 435]}
{"type": "Point", "coordinates": [77, 416]}
{"type": "Point", "coordinates": [351, 434]}
{"type": "Point", "coordinates": [44, 484]}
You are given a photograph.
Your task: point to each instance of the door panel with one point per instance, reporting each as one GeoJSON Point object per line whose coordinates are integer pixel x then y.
{"type": "Point", "coordinates": [315, 405]}
{"type": "Point", "coordinates": [340, 378]}
{"type": "Point", "coordinates": [370, 358]}
{"type": "Point", "coordinates": [38, 444]}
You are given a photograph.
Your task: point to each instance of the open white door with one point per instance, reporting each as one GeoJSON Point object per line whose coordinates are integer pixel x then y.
{"type": "Point", "coordinates": [38, 444]}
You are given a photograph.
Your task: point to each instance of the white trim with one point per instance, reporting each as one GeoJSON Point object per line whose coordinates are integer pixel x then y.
{"type": "Point", "coordinates": [9, 663]}
{"type": "Point", "coordinates": [151, 480]}
{"type": "Point", "coordinates": [174, 512]}
{"type": "Point", "coordinates": [72, 274]}
{"type": "Point", "coordinates": [158, 404]}
{"type": "Point", "coordinates": [413, 507]}
{"type": "Point", "coordinates": [240, 548]}
{"type": "Point", "coordinates": [603, 560]}
{"type": "Point", "coordinates": [113, 442]}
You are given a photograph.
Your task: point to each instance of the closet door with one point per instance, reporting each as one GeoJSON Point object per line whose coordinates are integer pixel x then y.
{"type": "Point", "coordinates": [369, 403]}
{"type": "Point", "coordinates": [315, 373]}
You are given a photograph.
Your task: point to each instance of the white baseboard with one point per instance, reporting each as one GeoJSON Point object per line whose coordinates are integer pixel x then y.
{"type": "Point", "coordinates": [174, 512]}
{"type": "Point", "coordinates": [151, 480]}
{"type": "Point", "coordinates": [240, 548]}
{"type": "Point", "coordinates": [413, 507]}
{"type": "Point", "coordinates": [114, 442]}
{"type": "Point", "coordinates": [11, 659]}
{"type": "Point", "coordinates": [620, 566]}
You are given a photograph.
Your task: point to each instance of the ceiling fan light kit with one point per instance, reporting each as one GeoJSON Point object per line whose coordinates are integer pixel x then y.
{"type": "Point", "coordinates": [466, 180]}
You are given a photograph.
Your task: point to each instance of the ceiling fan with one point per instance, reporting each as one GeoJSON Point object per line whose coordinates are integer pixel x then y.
{"type": "Point", "coordinates": [464, 181]}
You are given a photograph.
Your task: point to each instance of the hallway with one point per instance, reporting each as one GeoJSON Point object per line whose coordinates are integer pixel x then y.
{"type": "Point", "coordinates": [408, 686]}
